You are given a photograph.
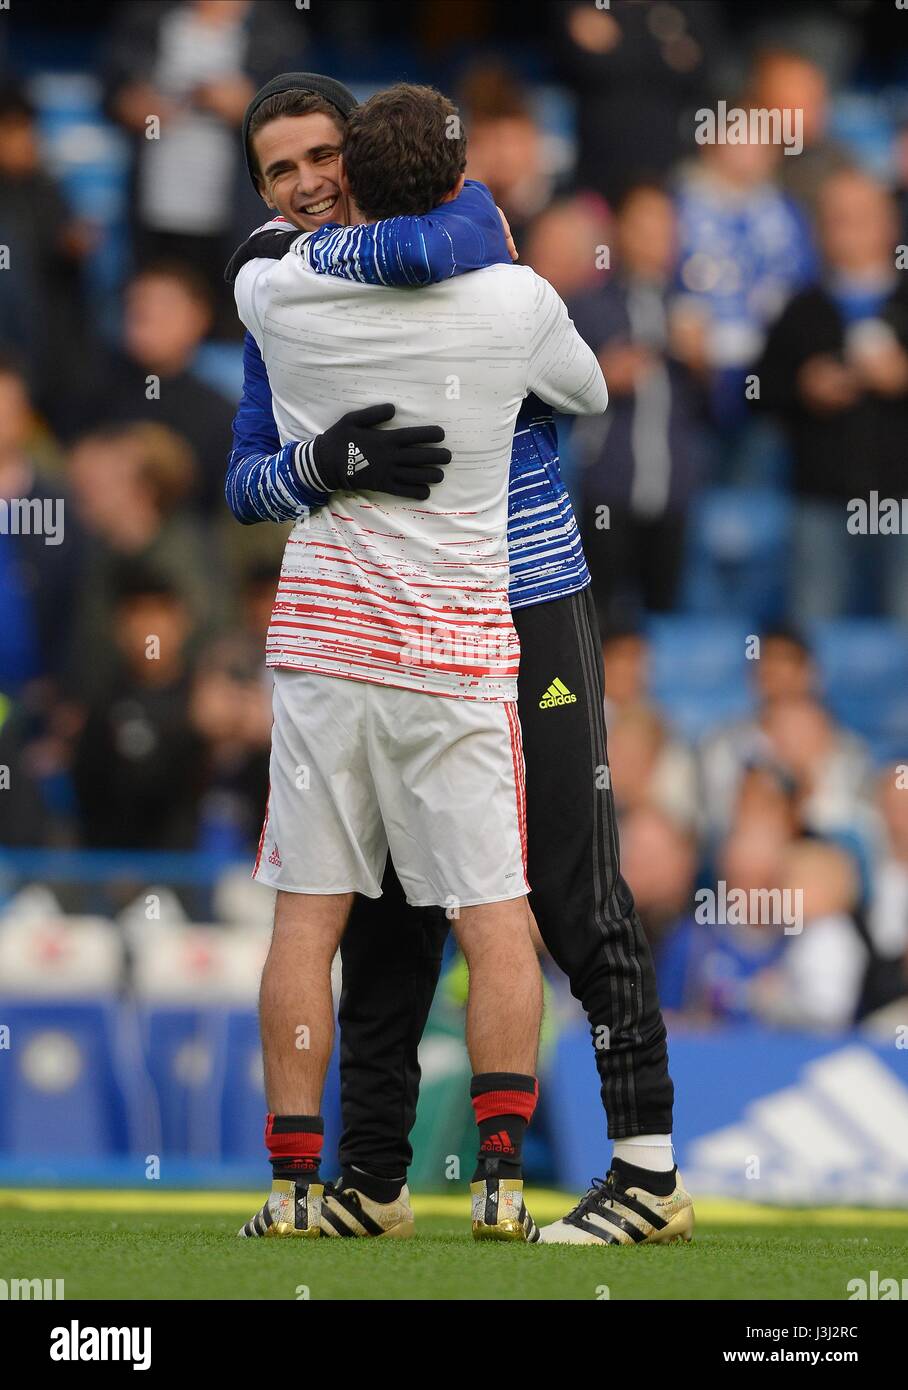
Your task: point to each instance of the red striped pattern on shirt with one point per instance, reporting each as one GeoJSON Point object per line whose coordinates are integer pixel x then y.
{"type": "Point", "coordinates": [373, 603]}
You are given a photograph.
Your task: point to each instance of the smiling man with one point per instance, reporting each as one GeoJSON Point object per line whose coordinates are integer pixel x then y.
{"type": "Point", "coordinates": [292, 135]}
{"type": "Point", "coordinates": [296, 163]}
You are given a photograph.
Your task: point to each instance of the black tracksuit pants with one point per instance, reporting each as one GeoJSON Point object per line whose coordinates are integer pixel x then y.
{"type": "Point", "coordinates": [391, 953]}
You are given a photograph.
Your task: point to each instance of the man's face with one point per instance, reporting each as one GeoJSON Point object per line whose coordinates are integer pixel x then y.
{"type": "Point", "coordinates": [858, 226]}
{"type": "Point", "coordinates": [103, 477]}
{"type": "Point", "coordinates": [646, 234]}
{"type": "Point", "coordinates": [15, 413]}
{"type": "Point", "coordinates": [784, 670]}
{"type": "Point", "coordinates": [163, 324]}
{"type": "Point", "coordinates": [143, 615]}
{"type": "Point", "coordinates": [298, 159]}
{"type": "Point", "coordinates": [19, 150]}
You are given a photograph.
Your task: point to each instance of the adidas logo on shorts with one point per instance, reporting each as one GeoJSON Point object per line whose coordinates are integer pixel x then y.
{"type": "Point", "coordinates": [557, 694]}
{"type": "Point", "coordinates": [275, 858]}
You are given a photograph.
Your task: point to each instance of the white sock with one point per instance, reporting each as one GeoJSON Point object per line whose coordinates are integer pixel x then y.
{"type": "Point", "coordinates": [653, 1151]}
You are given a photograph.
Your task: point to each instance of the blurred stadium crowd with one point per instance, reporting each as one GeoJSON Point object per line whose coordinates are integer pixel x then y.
{"type": "Point", "coordinates": [750, 312]}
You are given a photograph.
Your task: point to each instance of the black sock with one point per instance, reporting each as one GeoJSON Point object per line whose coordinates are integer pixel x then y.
{"type": "Point", "coordinates": [500, 1147]}
{"type": "Point", "coordinates": [379, 1189]}
{"type": "Point", "coordinates": [628, 1175]}
{"type": "Point", "coordinates": [503, 1103]}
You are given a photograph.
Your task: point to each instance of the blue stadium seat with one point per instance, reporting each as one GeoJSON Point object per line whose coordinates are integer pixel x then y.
{"type": "Point", "coordinates": [64, 1090]}
{"type": "Point", "coordinates": [19, 656]}
{"type": "Point", "coordinates": [220, 366]}
{"type": "Point", "coordinates": [859, 654]}
{"type": "Point", "coordinates": [243, 1100]}
{"type": "Point", "coordinates": [864, 123]}
{"type": "Point", "coordinates": [864, 673]}
{"type": "Point", "coordinates": [243, 1109]}
{"type": "Point", "coordinates": [186, 1056]}
{"type": "Point", "coordinates": [91, 158]}
{"type": "Point", "coordinates": [736, 555]}
{"type": "Point", "coordinates": [698, 671]}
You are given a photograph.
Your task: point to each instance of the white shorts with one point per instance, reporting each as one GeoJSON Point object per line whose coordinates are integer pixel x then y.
{"type": "Point", "coordinates": [359, 769]}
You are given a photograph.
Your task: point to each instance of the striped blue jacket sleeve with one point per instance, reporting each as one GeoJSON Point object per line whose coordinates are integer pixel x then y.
{"type": "Point", "coordinates": [463, 235]}
{"type": "Point", "coordinates": [265, 481]}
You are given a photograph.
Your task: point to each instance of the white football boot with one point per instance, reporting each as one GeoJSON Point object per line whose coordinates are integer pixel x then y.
{"type": "Point", "coordinates": [609, 1214]}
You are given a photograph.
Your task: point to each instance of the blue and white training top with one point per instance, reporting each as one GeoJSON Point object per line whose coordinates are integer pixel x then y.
{"type": "Point", "coordinates": [546, 559]}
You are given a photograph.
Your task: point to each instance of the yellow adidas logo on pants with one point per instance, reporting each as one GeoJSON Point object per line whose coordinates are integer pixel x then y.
{"type": "Point", "coordinates": [557, 694]}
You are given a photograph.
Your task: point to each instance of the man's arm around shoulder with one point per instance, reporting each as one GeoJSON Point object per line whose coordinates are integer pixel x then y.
{"type": "Point", "coordinates": [562, 369]}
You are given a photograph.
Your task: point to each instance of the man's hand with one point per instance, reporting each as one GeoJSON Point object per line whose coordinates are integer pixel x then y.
{"type": "Point", "coordinates": [227, 97]}
{"type": "Point", "coordinates": [827, 385]}
{"type": "Point", "coordinates": [885, 370]}
{"type": "Point", "coordinates": [624, 366]}
{"type": "Point", "coordinates": [354, 456]}
{"type": "Point", "coordinates": [134, 103]}
{"type": "Point", "coordinates": [688, 340]}
{"type": "Point", "coordinates": [508, 237]}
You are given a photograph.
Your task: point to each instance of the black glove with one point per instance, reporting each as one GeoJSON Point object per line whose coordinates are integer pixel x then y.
{"type": "Point", "coordinates": [271, 245]}
{"type": "Point", "coordinates": [356, 457]}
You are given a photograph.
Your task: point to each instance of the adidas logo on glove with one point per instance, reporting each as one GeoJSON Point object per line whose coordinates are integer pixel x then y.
{"type": "Point", "coordinates": [355, 460]}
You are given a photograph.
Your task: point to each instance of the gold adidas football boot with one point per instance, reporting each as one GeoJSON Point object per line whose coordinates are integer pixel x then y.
{"type": "Point", "coordinates": [499, 1211]}
{"type": "Point", "coordinates": [292, 1209]}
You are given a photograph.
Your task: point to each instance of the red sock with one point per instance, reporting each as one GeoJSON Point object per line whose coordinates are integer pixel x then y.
{"type": "Point", "coordinates": [295, 1145]}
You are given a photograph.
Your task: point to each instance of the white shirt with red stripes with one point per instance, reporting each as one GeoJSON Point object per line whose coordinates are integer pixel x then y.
{"type": "Point", "coordinates": [382, 589]}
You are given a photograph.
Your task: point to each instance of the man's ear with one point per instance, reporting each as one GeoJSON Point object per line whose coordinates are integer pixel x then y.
{"type": "Point", "coordinates": [351, 214]}
{"type": "Point", "coordinates": [263, 195]}
{"type": "Point", "coordinates": [455, 191]}
{"type": "Point", "coordinates": [343, 182]}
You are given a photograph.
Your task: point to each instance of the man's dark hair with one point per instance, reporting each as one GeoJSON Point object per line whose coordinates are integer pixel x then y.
{"type": "Point", "coordinates": [645, 184]}
{"type": "Point", "coordinates": [287, 104]}
{"type": "Point", "coordinates": [262, 572]}
{"type": "Point", "coordinates": [621, 630]}
{"type": "Point", "coordinates": [788, 633]}
{"type": "Point", "coordinates": [404, 150]}
{"type": "Point", "coordinates": [190, 279]}
{"type": "Point", "coordinates": [15, 103]}
{"type": "Point", "coordinates": [131, 581]}
{"type": "Point", "coordinates": [12, 365]}
{"type": "Point", "coordinates": [491, 91]}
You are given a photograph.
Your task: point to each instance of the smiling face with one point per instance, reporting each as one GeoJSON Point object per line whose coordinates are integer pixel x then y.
{"type": "Point", "coordinates": [298, 161]}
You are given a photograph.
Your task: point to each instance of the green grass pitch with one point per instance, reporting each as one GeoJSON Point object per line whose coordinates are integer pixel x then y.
{"type": "Point", "coordinates": [165, 1245]}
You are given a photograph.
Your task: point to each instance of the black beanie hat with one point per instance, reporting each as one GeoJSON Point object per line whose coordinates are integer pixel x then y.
{"type": "Point", "coordinates": [334, 92]}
